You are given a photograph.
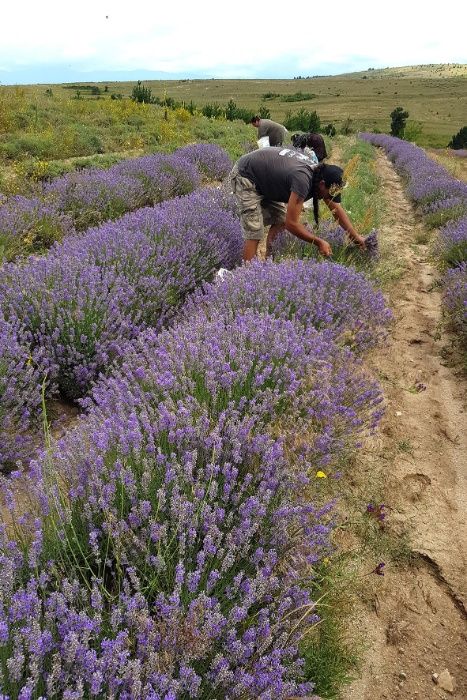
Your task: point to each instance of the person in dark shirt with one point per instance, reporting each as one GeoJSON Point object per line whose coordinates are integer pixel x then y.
{"type": "Point", "coordinates": [271, 185]}
{"type": "Point", "coordinates": [313, 141]}
{"type": "Point", "coordinates": [266, 127]}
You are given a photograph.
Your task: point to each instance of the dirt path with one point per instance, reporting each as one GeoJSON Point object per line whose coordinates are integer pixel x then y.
{"type": "Point", "coordinates": [414, 618]}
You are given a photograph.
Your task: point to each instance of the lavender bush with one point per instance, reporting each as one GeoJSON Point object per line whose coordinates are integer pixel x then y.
{"type": "Point", "coordinates": [343, 250]}
{"type": "Point", "coordinates": [212, 161]}
{"type": "Point", "coordinates": [29, 225]}
{"type": "Point", "coordinates": [265, 367]}
{"type": "Point", "coordinates": [76, 315]}
{"type": "Point", "coordinates": [455, 300]}
{"type": "Point", "coordinates": [451, 245]}
{"type": "Point", "coordinates": [92, 196]}
{"type": "Point", "coordinates": [429, 184]}
{"type": "Point", "coordinates": [178, 559]}
{"type": "Point", "coordinates": [441, 211]}
{"type": "Point", "coordinates": [166, 251]}
{"type": "Point", "coordinates": [86, 198]}
{"type": "Point", "coordinates": [88, 295]}
{"type": "Point", "coordinates": [95, 195]}
{"type": "Point", "coordinates": [336, 300]}
{"type": "Point", "coordinates": [162, 176]}
{"type": "Point", "coordinates": [442, 196]}
{"type": "Point", "coordinates": [20, 393]}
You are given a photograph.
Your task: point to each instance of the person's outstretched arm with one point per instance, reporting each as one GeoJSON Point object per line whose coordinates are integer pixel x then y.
{"type": "Point", "coordinates": [293, 224]}
{"type": "Point", "coordinates": [342, 217]}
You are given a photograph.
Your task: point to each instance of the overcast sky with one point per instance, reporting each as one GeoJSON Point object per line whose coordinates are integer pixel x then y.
{"type": "Point", "coordinates": [57, 41]}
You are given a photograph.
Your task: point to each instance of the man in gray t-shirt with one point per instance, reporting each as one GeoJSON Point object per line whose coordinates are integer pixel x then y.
{"type": "Point", "coordinates": [266, 127]}
{"type": "Point", "coordinates": [271, 185]}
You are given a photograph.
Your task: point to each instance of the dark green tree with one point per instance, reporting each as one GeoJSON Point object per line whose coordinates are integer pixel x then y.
{"type": "Point", "coordinates": [264, 112]}
{"type": "Point", "coordinates": [398, 119]}
{"type": "Point", "coordinates": [314, 124]}
{"type": "Point", "coordinates": [459, 140]}
{"type": "Point", "coordinates": [212, 111]}
{"type": "Point", "coordinates": [141, 93]}
{"type": "Point", "coordinates": [231, 111]}
{"type": "Point", "coordinates": [303, 120]}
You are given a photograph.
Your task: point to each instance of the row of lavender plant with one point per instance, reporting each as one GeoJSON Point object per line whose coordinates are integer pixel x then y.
{"type": "Point", "coordinates": [86, 198]}
{"type": "Point", "coordinates": [174, 556]}
{"type": "Point", "coordinates": [72, 310]}
{"type": "Point", "coordinates": [443, 200]}
{"type": "Point", "coordinates": [285, 245]}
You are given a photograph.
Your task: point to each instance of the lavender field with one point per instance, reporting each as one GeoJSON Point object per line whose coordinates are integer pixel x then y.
{"type": "Point", "coordinates": [168, 544]}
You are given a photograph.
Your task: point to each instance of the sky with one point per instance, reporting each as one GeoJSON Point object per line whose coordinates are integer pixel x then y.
{"type": "Point", "coordinates": [52, 41]}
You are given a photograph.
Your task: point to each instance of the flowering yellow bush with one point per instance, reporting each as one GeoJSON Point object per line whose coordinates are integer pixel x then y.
{"type": "Point", "coordinates": [351, 168]}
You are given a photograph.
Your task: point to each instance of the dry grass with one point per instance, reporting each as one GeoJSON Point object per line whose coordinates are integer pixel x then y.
{"type": "Point", "coordinates": [435, 96]}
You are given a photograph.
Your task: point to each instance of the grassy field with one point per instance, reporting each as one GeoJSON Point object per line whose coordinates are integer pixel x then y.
{"type": "Point", "coordinates": [435, 96]}
{"type": "Point", "coordinates": [46, 130]}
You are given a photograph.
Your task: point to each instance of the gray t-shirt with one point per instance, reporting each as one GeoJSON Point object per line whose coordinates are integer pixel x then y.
{"type": "Point", "coordinates": [277, 172]}
{"type": "Point", "coordinates": [275, 131]}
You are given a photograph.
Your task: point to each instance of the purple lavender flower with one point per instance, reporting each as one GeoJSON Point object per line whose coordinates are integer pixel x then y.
{"type": "Point", "coordinates": [81, 302]}
{"type": "Point", "coordinates": [455, 300]}
{"type": "Point", "coordinates": [30, 225]}
{"type": "Point", "coordinates": [92, 196]}
{"type": "Point", "coordinates": [428, 182]}
{"type": "Point", "coordinates": [344, 251]}
{"type": "Point", "coordinates": [377, 512]}
{"type": "Point", "coordinates": [211, 160]}
{"type": "Point", "coordinates": [20, 392]}
{"type": "Point", "coordinates": [451, 244]}
{"type": "Point", "coordinates": [315, 294]}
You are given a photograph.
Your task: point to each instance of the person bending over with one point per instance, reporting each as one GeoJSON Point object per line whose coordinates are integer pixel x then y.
{"type": "Point", "coordinates": [313, 141]}
{"type": "Point", "coordinates": [271, 185]}
{"type": "Point", "coordinates": [276, 132]}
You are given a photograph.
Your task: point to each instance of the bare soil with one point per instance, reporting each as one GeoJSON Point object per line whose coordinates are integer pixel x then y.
{"type": "Point", "coordinates": [413, 619]}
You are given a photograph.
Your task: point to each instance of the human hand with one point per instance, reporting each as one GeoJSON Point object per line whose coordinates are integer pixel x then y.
{"type": "Point", "coordinates": [360, 241]}
{"type": "Point", "coordinates": [323, 247]}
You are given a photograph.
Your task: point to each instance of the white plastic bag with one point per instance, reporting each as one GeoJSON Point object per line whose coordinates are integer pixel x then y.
{"type": "Point", "coordinates": [222, 274]}
{"type": "Point", "coordinates": [263, 142]}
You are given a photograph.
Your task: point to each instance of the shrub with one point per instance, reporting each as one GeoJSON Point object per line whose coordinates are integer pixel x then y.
{"type": "Point", "coordinates": [207, 543]}
{"type": "Point", "coordinates": [141, 93]}
{"type": "Point", "coordinates": [20, 393]}
{"type": "Point", "coordinates": [81, 302]}
{"type": "Point", "coordinates": [313, 294]}
{"type": "Point", "coordinates": [451, 245]}
{"type": "Point", "coordinates": [29, 225]}
{"type": "Point", "coordinates": [212, 161]}
{"type": "Point", "coordinates": [398, 120]}
{"type": "Point", "coordinates": [344, 251]}
{"type": "Point", "coordinates": [303, 120]}
{"type": "Point", "coordinates": [459, 141]}
{"type": "Point", "coordinates": [455, 301]}
{"type": "Point", "coordinates": [212, 111]}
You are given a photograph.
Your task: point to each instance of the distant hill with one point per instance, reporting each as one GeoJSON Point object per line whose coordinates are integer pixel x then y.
{"type": "Point", "coordinates": [428, 70]}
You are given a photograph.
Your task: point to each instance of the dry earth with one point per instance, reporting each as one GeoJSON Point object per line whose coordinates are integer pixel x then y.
{"type": "Point", "coordinates": [413, 620]}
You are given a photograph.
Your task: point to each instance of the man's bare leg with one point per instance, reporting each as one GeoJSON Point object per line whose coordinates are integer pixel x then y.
{"type": "Point", "coordinates": [250, 249]}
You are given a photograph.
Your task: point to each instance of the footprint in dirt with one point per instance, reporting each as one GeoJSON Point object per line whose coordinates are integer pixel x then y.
{"type": "Point", "coordinates": [415, 485]}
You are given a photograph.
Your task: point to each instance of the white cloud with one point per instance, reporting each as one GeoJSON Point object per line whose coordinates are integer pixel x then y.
{"type": "Point", "coordinates": [239, 40]}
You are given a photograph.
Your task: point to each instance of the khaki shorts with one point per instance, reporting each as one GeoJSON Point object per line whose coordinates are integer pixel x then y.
{"type": "Point", "coordinates": [255, 211]}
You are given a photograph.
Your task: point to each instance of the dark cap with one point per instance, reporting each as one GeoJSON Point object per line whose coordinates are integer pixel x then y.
{"type": "Point", "coordinates": [333, 175]}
